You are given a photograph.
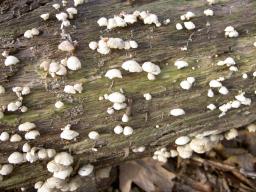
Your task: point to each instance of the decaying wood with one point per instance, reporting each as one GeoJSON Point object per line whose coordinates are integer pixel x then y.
{"type": "Point", "coordinates": [159, 45]}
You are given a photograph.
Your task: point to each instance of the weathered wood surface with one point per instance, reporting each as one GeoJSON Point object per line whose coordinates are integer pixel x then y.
{"type": "Point", "coordinates": [159, 45]}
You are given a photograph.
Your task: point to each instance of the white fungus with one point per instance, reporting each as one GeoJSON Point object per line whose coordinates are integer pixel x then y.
{"type": "Point", "coordinates": [251, 128]}
{"type": "Point", "coordinates": [184, 152]}
{"type": "Point", "coordinates": [189, 25]}
{"type": "Point", "coordinates": [147, 96]}
{"type": "Point", "coordinates": [85, 170]}
{"type": "Point", "coordinates": [93, 45]}
{"type": "Point", "coordinates": [15, 138]}
{"type": "Point", "coordinates": [215, 84]}
{"type": "Point", "coordinates": [208, 12]}
{"type": "Point", "coordinates": [45, 16]}
{"type": "Point", "coordinates": [66, 46]}
{"type": "Point", "coordinates": [64, 158]}
{"type": "Point", "coordinates": [180, 64]}
{"type": "Point", "coordinates": [177, 112]}
{"type": "Point", "coordinates": [6, 169]}
{"type": "Point", "coordinates": [118, 129]}
{"type": "Point", "coordinates": [16, 158]}
{"type": "Point", "coordinates": [231, 32]}
{"type": "Point", "coordinates": [73, 63]}
{"type": "Point", "coordinates": [68, 134]}
{"type": "Point", "coordinates": [223, 90]}
{"type": "Point", "coordinates": [58, 104]}
{"type": "Point", "coordinates": [32, 135]}
{"type": "Point", "coordinates": [102, 22]}
{"type": "Point", "coordinates": [231, 134]}
{"type": "Point", "coordinates": [56, 6]}
{"type": "Point", "coordinates": [210, 93]}
{"type": "Point", "coordinates": [211, 106]}
{"type": "Point", "coordinates": [26, 147]}
{"type": "Point", "coordinates": [125, 118]}
{"type": "Point", "coordinates": [127, 131]}
{"type": "Point", "coordinates": [132, 66]}
{"type": "Point", "coordinates": [69, 89]}
{"type": "Point", "coordinates": [113, 73]}
{"type": "Point", "coordinates": [4, 136]}
{"type": "Point", "coordinates": [183, 140]}
{"type": "Point", "coordinates": [116, 97]}
{"type": "Point", "coordinates": [151, 68]}
{"type": "Point", "coordinates": [179, 26]}
{"type": "Point", "coordinates": [27, 126]}
{"type": "Point", "coordinates": [11, 60]}
{"type": "Point", "coordinates": [93, 135]}
{"type": "Point", "coordinates": [78, 2]}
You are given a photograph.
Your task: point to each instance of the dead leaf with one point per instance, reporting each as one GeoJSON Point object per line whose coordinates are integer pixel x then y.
{"type": "Point", "coordinates": [147, 173]}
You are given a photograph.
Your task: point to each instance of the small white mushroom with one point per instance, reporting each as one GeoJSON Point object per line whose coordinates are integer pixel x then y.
{"type": "Point", "coordinates": [12, 107]}
{"type": "Point", "coordinates": [189, 25]}
{"type": "Point", "coordinates": [16, 158]}
{"type": "Point", "coordinates": [64, 158]}
{"type": "Point", "coordinates": [110, 110]}
{"type": "Point", "coordinates": [6, 169]}
{"type": "Point", "coordinates": [66, 46]}
{"type": "Point", "coordinates": [210, 93]}
{"type": "Point", "coordinates": [28, 34]}
{"type": "Point", "coordinates": [116, 97]}
{"type": "Point", "coordinates": [151, 68]}
{"type": "Point", "coordinates": [125, 118]}
{"type": "Point", "coordinates": [118, 129]}
{"type": "Point", "coordinates": [184, 152]}
{"type": "Point", "coordinates": [56, 6]}
{"type": "Point", "coordinates": [223, 90]}
{"type": "Point", "coordinates": [59, 104]}
{"type": "Point", "coordinates": [32, 135]}
{"type": "Point", "coordinates": [78, 2]}
{"type": "Point", "coordinates": [73, 63]}
{"type": "Point", "coordinates": [215, 84]}
{"type": "Point", "coordinates": [179, 26]}
{"type": "Point", "coordinates": [93, 45]}
{"type": "Point", "coordinates": [180, 64]}
{"type": "Point", "coordinates": [35, 31]}
{"type": "Point", "coordinates": [183, 140]}
{"type": "Point", "coordinates": [147, 96]}
{"type": "Point", "coordinates": [38, 184]}
{"type": "Point", "coordinates": [78, 87]}
{"type": "Point", "coordinates": [71, 12]}
{"type": "Point", "coordinates": [102, 22]}
{"type": "Point", "coordinates": [69, 89]}
{"type": "Point", "coordinates": [45, 16]}
{"type": "Point", "coordinates": [27, 126]}
{"type": "Point", "coordinates": [51, 153]}
{"type": "Point", "coordinates": [231, 134]}
{"type": "Point", "coordinates": [133, 44]}
{"type": "Point", "coordinates": [177, 112]}
{"type": "Point", "coordinates": [113, 73]}
{"type": "Point", "coordinates": [132, 66]}
{"type": "Point", "coordinates": [11, 60]}
{"type": "Point", "coordinates": [208, 12]}
{"type": "Point", "coordinates": [93, 135]}
{"type": "Point", "coordinates": [4, 136]}
{"type": "Point", "coordinates": [15, 138]}
{"type": "Point", "coordinates": [127, 131]}
{"type": "Point", "coordinates": [211, 106]}
{"type": "Point", "coordinates": [25, 90]}
{"type": "Point", "coordinates": [26, 147]}
{"type": "Point", "coordinates": [185, 85]}
{"type": "Point", "coordinates": [200, 145]}
{"type": "Point", "coordinates": [251, 128]}
{"type": "Point", "coordinates": [68, 134]}
{"type": "Point", "coordinates": [85, 170]}
{"type": "Point", "coordinates": [63, 174]}
{"type": "Point", "coordinates": [62, 16]}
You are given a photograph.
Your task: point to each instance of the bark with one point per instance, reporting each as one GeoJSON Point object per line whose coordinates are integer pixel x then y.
{"type": "Point", "coordinates": [206, 45]}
